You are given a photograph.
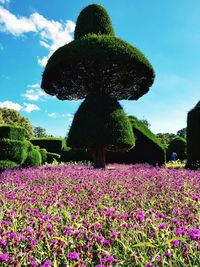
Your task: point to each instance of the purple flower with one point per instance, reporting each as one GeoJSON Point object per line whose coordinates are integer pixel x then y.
{"type": "Point", "coordinates": [4, 257]}
{"type": "Point", "coordinates": [179, 232]}
{"type": "Point", "coordinates": [147, 264]}
{"type": "Point", "coordinates": [175, 243]}
{"type": "Point", "coordinates": [162, 226]}
{"type": "Point", "coordinates": [194, 233]}
{"type": "Point", "coordinates": [47, 263]}
{"type": "Point", "coordinates": [73, 256]}
{"type": "Point", "coordinates": [168, 254]}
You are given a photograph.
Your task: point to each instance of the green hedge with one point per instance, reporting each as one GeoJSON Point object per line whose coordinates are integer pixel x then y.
{"type": "Point", "coordinates": [13, 150]}
{"type": "Point", "coordinates": [177, 145]}
{"type": "Point", "coordinates": [12, 132]}
{"type": "Point", "coordinates": [147, 149]}
{"type": "Point", "coordinates": [51, 157]}
{"type": "Point", "coordinates": [7, 164]}
{"type": "Point", "coordinates": [51, 144]}
{"type": "Point", "coordinates": [193, 138]}
{"type": "Point", "coordinates": [75, 155]}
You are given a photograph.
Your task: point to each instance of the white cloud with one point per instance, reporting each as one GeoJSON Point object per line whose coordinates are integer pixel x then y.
{"type": "Point", "coordinates": [53, 115]}
{"type": "Point", "coordinates": [52, 34]}
{"type": "Point", "coordinates": [4, 1]}
{"type": "Point", "coordinates": [34, 93]}
{"type": "Point", "coordinates": [16, 26]}
{"type": "Point", "coordinates": [10, 105]}
{"type": "Point", "coordinates": [30, 107]}
{"type": "Point", "coordinates": [35, 85]}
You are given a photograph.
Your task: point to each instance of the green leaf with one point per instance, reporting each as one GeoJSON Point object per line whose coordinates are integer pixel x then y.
{"type": "Point", "coordinates": [145, 244]}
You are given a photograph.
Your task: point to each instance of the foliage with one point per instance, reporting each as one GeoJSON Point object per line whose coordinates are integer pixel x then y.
{"type": "Point", "coordinates": [12, 132]}
{"type": "Point", "coordinates": [94, 63]}
{"type": "Point", "coordinates": [182, 133]}
{"type": "Point", "coordinates": [178, 164]}
{"type": "Point", "coordinates": [165, 138]}
{"type": "Point", "coordinates": [93, 19]}
{"type": "Point", "coordinates": [51, 144]}
{"type": "Point", "coordinates": [51, 157]}
{"type": "Point", "coordinates": [148, 148]}
{"type": "Point", "coordinates": [43, 154]}
{"type": "Point", "coordinates": [13, 117]}
{"type": "Point", "coordinates": [39, 132]}
{"type": "Point", "coordinates": [177, 145]}
{"type": "Point", "coordinates": [75, 155]}
{"type": "Point", "coordinates": [13, 150]}
{"type": "Point", "coordinates": [77, 216]}
{"type": "Point", "coordinates": [193, 137]}
{"type": "Point", "coordinates": [7, 164]}
{"type": "Point", "coordinates": [33, 158]}
{"type": "Point", "coordinates": [101, 120]}
{"type": "Point", "coordinates": [146, 123]}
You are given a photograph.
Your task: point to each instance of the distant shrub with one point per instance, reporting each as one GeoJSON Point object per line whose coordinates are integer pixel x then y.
{"type": "Point", "coordinates": [177, 145]}
{"type": "Point", "coordinates": [13, 150]}
{"type": "Point", "coordinates": [43, 153]}
{"type": "Point", "coordinates": [51, 144]}
{"type": "Point", "coordinates": [51, 157]}
{"type": "Point", "coordinates": [7, 164]}
{"type": "Point", "coordinates": [12, 132]}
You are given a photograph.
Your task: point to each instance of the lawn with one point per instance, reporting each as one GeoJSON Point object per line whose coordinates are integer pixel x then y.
{"type": "Point", "coordinates": [73, 215]}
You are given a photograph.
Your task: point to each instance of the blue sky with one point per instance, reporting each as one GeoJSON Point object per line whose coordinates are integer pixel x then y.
{"type": "Point", "coordinates": [167, 32]}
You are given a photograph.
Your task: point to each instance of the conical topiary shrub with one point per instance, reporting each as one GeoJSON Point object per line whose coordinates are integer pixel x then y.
{"type": "Point", "coordinates": [193, 138]}
{"type": "Point", "coordinates": [100, 65]}
{"type": "Point", "coordinates": [101, 125]}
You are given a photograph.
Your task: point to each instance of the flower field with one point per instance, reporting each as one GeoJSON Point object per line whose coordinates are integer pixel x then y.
{"type": "Point", "coordinates": [127, 215]}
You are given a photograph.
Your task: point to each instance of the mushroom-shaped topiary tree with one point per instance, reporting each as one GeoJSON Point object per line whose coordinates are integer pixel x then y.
{"type": "Point", "coordinates": [103, 69]}
{"type": "Point", "coordinates": [193, 138]}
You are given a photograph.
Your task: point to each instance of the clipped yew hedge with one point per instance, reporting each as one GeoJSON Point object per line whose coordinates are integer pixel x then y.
{"type": "Point", "coordinates": [147, 149]}
{"type": "Point", "coordinates": [51, 144]}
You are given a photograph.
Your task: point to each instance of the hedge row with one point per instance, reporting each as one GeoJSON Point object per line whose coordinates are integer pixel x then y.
{"type": "Point", "coordinates": [15, 151]}
{"type": "Point", "coordinates": [51, 144]}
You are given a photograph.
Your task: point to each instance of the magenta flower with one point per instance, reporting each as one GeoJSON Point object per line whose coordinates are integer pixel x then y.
{"type": "Point", "coordinates": [4, 257]}
{"type": "Point", "coordinates": [73, 256]}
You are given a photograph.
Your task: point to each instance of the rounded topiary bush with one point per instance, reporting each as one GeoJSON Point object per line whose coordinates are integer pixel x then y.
{"type": "Point", "coordinates": [193, 138]}
{"type": "Point", "coordinates": [93, 19]}
{"type": "Point", "coordinates": [13, 150]}
{"type": "Point", "coordinates": [33, 158]}
{"type": "Point", "coordinates": [177, 145]}
{"type": "Point", "coordinates": [7, 164]}
{"type": "Point", "coordinates": [101, 120]}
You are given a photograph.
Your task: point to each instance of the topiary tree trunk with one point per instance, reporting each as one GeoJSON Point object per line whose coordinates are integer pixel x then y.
{"type": "Point", "coordinates": [99, 156]}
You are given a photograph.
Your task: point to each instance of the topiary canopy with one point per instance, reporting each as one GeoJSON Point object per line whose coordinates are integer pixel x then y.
{"type": "Point", "coordinates": [97, 61]}
{"type": "Point", "coordinates": [101, 121]}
